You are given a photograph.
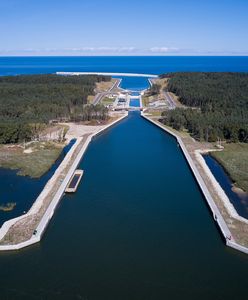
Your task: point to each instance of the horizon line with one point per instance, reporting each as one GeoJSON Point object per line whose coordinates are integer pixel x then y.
{"type": "Point", "coordinates": [126, 55]}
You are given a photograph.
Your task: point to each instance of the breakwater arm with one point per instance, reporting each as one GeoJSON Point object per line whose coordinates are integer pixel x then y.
{"type": "Point", "coordinates": [107, 74]}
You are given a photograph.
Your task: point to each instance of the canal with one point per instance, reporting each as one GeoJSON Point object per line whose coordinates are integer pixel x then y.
{"type": "Point", "coordinates": [137, 228]}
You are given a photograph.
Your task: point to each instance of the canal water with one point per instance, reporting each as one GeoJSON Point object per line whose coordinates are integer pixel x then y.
{"type": "Point", "coordinates": [134, 83]}
{"type": "Point", "coordinates": [137, 228]}
{"type": "Point", "coordinates": [135, 102]}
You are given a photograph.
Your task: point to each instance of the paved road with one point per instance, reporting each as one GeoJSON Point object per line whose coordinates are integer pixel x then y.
{"type": "Point", "coordinates": [100, 96]}
{"type": "Point", "coordinates": [169, 100]}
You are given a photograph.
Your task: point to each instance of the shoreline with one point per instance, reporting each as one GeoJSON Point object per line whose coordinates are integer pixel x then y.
{"type": "Point", "coordinates": [217, 215]}
{"type": "Point", "coordinates": [235, 184]}
{"type": "Point", "coordinates": [239, 192]}
{"type": "Point", "coordinates": [43, 222]}
{"type": "Point", "coordinates": [229, 206]}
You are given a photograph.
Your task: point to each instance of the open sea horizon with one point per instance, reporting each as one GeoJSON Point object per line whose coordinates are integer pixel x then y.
{"type": "Point", "coordinates": [16, 65]}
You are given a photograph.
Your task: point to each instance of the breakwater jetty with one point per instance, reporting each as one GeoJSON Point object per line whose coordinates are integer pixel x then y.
{"type": "Point", "coordinates": [20, 232]}
{"type": "Point", "coordinates": [217, 216]}
{"type": "Point", "coordinates": [107, 74]}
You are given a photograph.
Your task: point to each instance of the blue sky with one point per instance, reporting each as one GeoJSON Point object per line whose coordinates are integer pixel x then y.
{"type": "Point", "coordinates": [130, 27]}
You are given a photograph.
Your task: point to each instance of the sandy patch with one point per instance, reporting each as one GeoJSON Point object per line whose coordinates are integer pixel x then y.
{"type": "Point", "coordinates": [27, 151]}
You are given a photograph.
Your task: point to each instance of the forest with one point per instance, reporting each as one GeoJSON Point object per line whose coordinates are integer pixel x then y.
{"type": "Point", "coordinates": [216, 105]}
{"type": "Point", "coordinates": [29, 101]}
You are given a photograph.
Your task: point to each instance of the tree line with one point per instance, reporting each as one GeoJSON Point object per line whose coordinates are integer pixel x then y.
{"type": "Point", "coordinates": [216, 105]}
{"type": "Point", "coordinates": [29, 101]}
{"type": "Point", "coordinates": [154, 89]}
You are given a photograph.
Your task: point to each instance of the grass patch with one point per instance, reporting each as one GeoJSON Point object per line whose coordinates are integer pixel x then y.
{"type": "Point", "coordinates": [145, 101]}
{"type": "Point", "coordinates": [155, 113]}
{"type": "Point", "coordinates": [107, 101]}
{"type": "Point", "coordinates": [234, 158]}
{"type": "Point", "coordinates": [104, 86]}
{"type": "Point", "coordinates": [33, 164]}
{"type": "Point", "coordinates": [90, 99]}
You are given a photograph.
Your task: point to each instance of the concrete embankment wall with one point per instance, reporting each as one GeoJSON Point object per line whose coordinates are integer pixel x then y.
{"type": "Point", "coordinates": [141, 103]}
{"type": "Point", "coordinates": [119, 83]}
{"type": "Point", "coordinates": [56, 199]}
{"type": "Point", "coordinates": [221, 193]}
{"type": "Point", "coordinates": [150, 82]}
{"type": "Point", "coordinates": [213, 207]}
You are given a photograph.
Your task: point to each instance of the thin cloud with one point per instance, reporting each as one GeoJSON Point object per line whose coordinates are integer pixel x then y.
{"type": "Point", "coordinates": [105, 50]}
{"type": "Point", "coordinates": [163, 49]}
{"type": "Point", "coordinates": [91, 50]}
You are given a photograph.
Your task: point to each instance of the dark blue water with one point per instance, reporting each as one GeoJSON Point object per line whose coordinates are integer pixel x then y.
{"type": "Point", "coordinates": [151, 65]}
{"type": "Point", "coordinates": [137, 228]}
{"type": "Point", "coordinates": [240, 202]}
{"type": "Point", "coordinates": [23, 190]}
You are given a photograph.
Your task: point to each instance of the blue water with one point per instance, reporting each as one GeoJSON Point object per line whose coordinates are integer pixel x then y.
{"type": "Point", "coordinates": [134, 83]}
{"type": "Point", "coordinates": [138, 228]}
{"type": "Point", "coordinates": [151, 65]}
{"type": "Point", "coordinates": [135, 103]}
{"type": "Point", "coordinates": [23, 190]}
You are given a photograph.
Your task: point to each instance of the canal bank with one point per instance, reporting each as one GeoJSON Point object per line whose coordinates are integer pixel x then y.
{"type": "Point", "coordinates": [144, 234]}
{"type": "Point", "coordinates": [28, 229]}
{"type": "Point", "coordinates": [237, 196]}
{"type": "Point", "coordinates": [217, 215]}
